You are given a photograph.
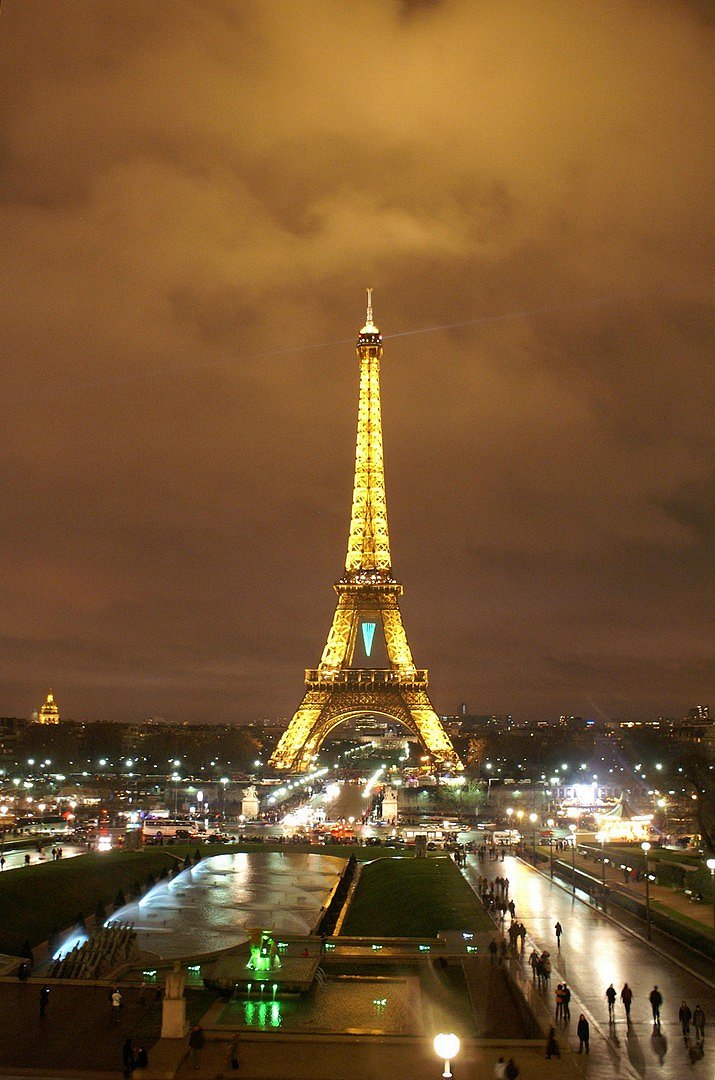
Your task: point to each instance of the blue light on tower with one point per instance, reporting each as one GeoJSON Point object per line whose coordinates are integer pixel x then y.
{"type": "Point", "coordinates": [368, 633]}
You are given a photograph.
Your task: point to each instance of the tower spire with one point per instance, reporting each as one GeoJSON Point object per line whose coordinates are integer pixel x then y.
{"type": "Point", "coordinates": [369, 327]}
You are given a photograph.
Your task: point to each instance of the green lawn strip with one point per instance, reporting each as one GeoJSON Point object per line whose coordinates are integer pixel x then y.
{"type": "Point", "coordinates": [677, 916]}
{"type": "Point", "coordinates": [634, 856]}
{"type": "Point", "coordinates": [403, 897]}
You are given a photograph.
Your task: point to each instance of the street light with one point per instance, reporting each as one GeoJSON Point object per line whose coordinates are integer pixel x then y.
{"type": "Point", "coordinates": [550, 823]}
{"type": "Point", "coordinates": [446, 1046]}
{"type": "Point", "coordinates": [602, 837]}
{"type": "Point", "coordinates": [646, 848]}
{"type": "Point", "coordinates": [711, 867]}
{"type": "Point", "coordinates": [572, 830]}
{"type": "Point", "coordinates": [533, 818]}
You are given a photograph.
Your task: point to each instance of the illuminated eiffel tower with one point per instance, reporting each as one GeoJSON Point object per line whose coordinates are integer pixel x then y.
{"type": "Point", "coordinates": [368, 596]}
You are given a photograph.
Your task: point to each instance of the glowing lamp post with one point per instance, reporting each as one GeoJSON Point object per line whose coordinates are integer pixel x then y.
{"type": "Point", "coordinates": [533, 818]}
{"type": "Point", "coordinates": [645, 846]}
{"type": "Point", "coordinates": [572, 830]}
{"type": "Point", "coordinates": [446, 1046]}
{"type": "Point", "coordinates": [711, 867]}
{"type": "Point", "coordinates": [602, 837]}
{"type": "Point", "coordinates": [550, 823]}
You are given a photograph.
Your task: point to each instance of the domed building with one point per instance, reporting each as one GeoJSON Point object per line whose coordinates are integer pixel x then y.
{"type": "Point", "coordinates": [49, 713]}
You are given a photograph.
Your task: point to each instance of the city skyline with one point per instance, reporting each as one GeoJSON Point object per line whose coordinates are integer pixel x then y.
{"type": "Point", "coordinates": [192, 208]}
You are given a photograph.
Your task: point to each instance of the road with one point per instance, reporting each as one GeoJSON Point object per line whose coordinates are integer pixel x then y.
{"type": "Point", "coordinates": [15, 859]}
{"type": "Point", "coordinates": [595, 952]}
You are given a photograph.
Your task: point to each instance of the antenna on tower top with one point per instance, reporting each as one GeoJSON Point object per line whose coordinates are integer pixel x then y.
{"type": "Point", "coordinates": [369, 327]}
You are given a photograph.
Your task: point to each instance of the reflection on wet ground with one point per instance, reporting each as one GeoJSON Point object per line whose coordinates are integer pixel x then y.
{"type": "Point", "coordinates": [210, 906]}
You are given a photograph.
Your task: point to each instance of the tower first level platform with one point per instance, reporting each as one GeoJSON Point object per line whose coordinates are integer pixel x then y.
{"type": "Point", "coordinates": [368, 598]}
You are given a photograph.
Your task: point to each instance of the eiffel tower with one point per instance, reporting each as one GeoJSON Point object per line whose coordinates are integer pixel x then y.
{"type": "Point", "coordinates": [368, 595]}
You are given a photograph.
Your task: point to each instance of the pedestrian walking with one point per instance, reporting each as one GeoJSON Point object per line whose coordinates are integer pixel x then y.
{"type": "Point", "coordinates": [559, 1002]}
{"type": "Point", "coordinates": [583, 1032]}
{"type": "Point", "coordinates": [196, 1044]}
{"type": "Point", "coordinates": [500, 1069]}
{"type": "Point", "coordinates": [611, 999]}
{"type": "Point", "coordinates": [567, 1002]}
{"type": "Point", "coordinates": [552, 1047]}
{"type": "Point", "coordinates": [627, 999]}
{"type": "Point", "coordinates": [685, 1016]}
{"type": "Point", "coordinates": [493, 950]}
{"type": "Point", "coordinates": [128, 1057]}
{"type": "Point", "coordinates": [2, 862]}
{"type": "Point", "coordinates": [142, 1059]}
{"type": "Point", "coordinates": [699, 1024]}
{"type": "Point", "coordinates": [44, 997]}
{"type": "Point", "coordinates": [235, 1063]}
{"type": "Point", "coordinates": [534, 963]}
{"type": "Point", "coordinates": [559, 931]}
{"type": "Point", "coordinates": [115, 1002]}
{"type": "Point", "coordinates": [512, 1069]}
{"type": "Point", "coordinates": [656, 1000]}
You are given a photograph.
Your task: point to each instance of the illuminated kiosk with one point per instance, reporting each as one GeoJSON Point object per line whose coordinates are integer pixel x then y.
{"type": "Point", "coordinates": [348, 682]}
{"type": "Point", "coordinates": [270, 970]}
{"type": "Point", "coordinates": [623, 823]}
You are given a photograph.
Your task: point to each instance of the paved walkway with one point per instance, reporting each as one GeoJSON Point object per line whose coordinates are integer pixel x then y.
{"type": "Point", "coordinates": [594, 952]}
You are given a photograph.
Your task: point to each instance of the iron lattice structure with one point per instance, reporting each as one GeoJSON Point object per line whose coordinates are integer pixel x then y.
{"type": "Point", "coordinates": [336, 691]}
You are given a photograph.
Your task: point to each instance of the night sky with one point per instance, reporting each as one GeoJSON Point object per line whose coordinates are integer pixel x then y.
{"type": "Point", "coordinates": [193, 198]}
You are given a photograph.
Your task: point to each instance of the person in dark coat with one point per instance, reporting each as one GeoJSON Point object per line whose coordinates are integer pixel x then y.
{"type": "Point", "coordinates": [584, 1033]}
{"type": "Point", "coordinates": [685, 1016]}
{"type": "Point", "coordinates": [656, 1000]}
{"type": "Point", "coordinates": [552, 1047]}
{"type": "Point", "coordinates": [196, 1044]}
{"type": "Point", "coordinates": [627, 998]}
{"type": "Point", "coordinates": [128, 1057]}
{"type": "Point", "coordinates": [44, 997]}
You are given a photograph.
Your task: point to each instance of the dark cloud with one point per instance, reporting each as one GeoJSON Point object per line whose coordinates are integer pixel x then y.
{"type": "Point", "coordinates": [192, 198]}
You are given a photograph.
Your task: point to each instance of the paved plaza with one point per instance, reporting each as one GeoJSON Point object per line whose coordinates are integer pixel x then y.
{"type": "Point", "coordinates": [594, 952]}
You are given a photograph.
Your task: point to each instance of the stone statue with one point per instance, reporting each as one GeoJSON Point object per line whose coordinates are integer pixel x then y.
{"type": "Point", "coordinates": [175, 981]}
{"type": "Point", "coordinates": [250, 792]}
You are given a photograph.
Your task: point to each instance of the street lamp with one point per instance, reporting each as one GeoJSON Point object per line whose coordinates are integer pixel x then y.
{"type": "Point", "coordinates": [646, 848]}
{"type": "Point", "coordinates": [446, 1046]}
{"type": "Point", "coordinates": [601, 836]}
{"type": "Point", "coordinates": [572, 830]}
{"type": "Point", "coordinates": [533, 818]}
{"type": "Point", "coordinates": [711, 867]}
{"type": "Point", "coordinates": [550, 823]}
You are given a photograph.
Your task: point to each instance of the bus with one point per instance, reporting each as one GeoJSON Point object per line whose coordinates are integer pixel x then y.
{"type": "Point", "coordinates": [156, 830]}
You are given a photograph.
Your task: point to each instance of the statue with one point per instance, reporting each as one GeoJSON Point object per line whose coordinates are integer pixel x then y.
{"type": "Point", "coordinates": [250, 792]}
{"type": "Point", "coordinates": [175, 981]}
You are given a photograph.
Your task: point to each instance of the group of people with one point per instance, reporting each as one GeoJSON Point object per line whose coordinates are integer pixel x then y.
{"type": "Point", "coordinates": [540, 964]}
{"type": "Point", "coordinates": [506, 1070]}
{"type": "Point", "coordinates": [697, 1018]}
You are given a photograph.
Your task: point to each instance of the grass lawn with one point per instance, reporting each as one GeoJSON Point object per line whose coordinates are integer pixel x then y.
{"type": "Point", "coordinates": [399, 897]}
{"type": "Point", "coordinates": [677, 916]}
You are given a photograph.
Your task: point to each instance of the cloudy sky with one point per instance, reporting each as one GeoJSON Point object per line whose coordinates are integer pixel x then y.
{"type": "Point", "coordinates": [194, 195]}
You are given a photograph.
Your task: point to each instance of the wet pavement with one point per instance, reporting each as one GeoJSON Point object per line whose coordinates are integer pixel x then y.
{"type": "Point", "coordinates": [16, 859]}
{"type": "Point", "coordinates": [212, 905]}
{"type": "Point", "coordinates": [595, 952]}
